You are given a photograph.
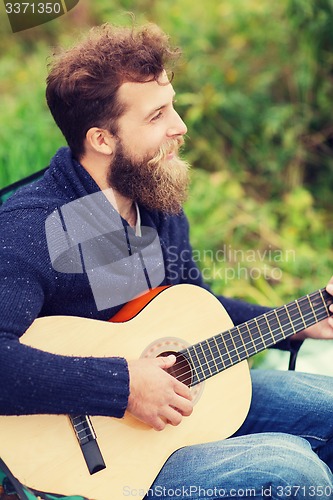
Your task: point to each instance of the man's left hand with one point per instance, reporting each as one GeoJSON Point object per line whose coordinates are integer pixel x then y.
{"type": "Point", "coordinates": [323, 329]}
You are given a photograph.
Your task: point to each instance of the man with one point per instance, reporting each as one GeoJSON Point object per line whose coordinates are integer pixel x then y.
{"type": "Point", "coordinates": [112, 97]}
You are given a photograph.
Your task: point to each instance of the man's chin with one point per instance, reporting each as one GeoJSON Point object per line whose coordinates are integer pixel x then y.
{"type": "Point", "coordinates": [165, 205]}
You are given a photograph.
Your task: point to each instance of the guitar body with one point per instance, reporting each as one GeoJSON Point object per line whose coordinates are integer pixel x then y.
{"type": "Point", "coordinates": [43, 451]}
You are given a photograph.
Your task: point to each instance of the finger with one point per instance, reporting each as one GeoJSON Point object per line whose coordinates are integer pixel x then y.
{"type": "Point", "coordinates": [327, 332]}
{"type": "Point", "coordinates": [329, 287]}
{"type": "Point", "coordinates": [158, 423]}
{"type": "Point", "coordinates": [173, 416]}
{"type": "Point", "coordinates": [183, 390]}
{"type": "Point", "coordinates": [166, 362]}
{"type": "Point", "coordinates": [184, 406]}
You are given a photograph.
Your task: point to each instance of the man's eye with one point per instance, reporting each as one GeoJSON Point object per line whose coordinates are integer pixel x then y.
{"type": "Point", "coordinates": [156, 117]}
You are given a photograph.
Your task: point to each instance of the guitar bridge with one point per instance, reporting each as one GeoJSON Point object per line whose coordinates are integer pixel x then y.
{"type": "Point", "coordinates": [87, 439]}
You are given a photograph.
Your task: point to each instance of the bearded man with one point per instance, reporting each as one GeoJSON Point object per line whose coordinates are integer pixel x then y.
{"type": "Point", "coordinates": [119, 179]}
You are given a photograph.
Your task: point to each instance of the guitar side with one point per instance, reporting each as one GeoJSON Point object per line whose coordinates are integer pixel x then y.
{"type": "Point", "coordinates": [43, 451]}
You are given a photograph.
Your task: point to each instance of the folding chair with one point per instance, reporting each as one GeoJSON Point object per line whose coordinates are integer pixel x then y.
{"type": "Point", "coordinates": [7, 191]}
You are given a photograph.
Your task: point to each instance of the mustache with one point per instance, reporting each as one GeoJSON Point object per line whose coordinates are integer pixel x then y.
{"type": "Point", "coordinates": [170, 146]}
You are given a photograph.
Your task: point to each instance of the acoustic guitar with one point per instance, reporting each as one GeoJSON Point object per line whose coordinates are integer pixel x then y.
{"type": "Point", "coordinates": [106, 458]}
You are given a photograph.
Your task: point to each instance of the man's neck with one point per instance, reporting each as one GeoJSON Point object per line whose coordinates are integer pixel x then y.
{"type": "Point", "coordinates": [124, 206]}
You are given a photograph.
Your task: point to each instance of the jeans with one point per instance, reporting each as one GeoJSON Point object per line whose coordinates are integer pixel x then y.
{"type": "Point", "coordinates": [283, 450]}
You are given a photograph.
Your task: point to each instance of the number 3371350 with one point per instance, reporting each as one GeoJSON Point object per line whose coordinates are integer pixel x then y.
{"type": "Point", "coordinates": [33, 8]}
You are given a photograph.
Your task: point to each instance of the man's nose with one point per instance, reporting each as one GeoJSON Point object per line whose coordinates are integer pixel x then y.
{"type": "Point", "coordinates": [177, 126]}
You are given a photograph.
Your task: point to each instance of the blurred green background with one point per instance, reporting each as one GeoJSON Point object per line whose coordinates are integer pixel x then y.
{"type": "Point", "coordinates": [255, 88]}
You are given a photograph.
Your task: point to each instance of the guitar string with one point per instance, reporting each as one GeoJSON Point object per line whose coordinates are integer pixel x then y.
{"type": "Point", "coordinates": [227, 355]}
{"type": "Point", "coordinates": [282, 309]}
{"type": "Point", "coordinates": [80, 423]}
{"type": "Point", "coordinates": [269, 313]}
{"type": "Point", "coordinates": [238, 337]}
{"type": "Point", "coordinates": [224, 360]}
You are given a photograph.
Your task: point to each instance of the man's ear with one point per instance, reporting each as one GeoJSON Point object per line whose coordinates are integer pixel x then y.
{"type": "Point", "coordinates": [100, 140]}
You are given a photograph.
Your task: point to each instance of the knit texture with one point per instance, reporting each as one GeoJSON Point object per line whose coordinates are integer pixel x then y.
{"type": "Point", "coordinates": [33, 381]}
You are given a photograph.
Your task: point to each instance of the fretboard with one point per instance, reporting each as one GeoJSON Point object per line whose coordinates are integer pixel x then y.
{"type": "Point", "coordinates": [211, 356]}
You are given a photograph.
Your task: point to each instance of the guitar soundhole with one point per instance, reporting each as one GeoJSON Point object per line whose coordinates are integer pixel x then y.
{"type": "Point", "coordinates": [181, 370]}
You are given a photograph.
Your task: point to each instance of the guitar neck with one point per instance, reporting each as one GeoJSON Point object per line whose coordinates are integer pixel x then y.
{"type": "Point", "coordinates": [221, 351]}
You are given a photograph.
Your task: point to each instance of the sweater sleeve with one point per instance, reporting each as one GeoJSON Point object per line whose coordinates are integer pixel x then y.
{"type": "Point", "coordinates": [34, 381]}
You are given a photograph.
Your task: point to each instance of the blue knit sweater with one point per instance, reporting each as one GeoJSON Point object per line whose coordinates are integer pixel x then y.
{"type": "Point", "coordinates": [33, 381]}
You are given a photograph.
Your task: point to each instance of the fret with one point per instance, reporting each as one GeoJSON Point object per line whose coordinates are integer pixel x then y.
{"type": "Point", "coordinates": [319, 306]}
{"type": "Point", "coordinates": [248, 340]}
{"type": "Point", "coordinates": [270, 330]}
{"type": "Point", "coordinates": [283, 320]}
{"type": "Point", "coordinates": [251, 335]}
{"type": "Point", "coordinates": [195, 363]}
{"type": "Point", "coordinates": [212, 346]}
{"type": "Point", "coordinates": [276, 326]}
{"type": "Point", "coordinates": [324, 303]}
{"type": "Point", "coordinates": [198, 356]}
{"type": "Point", "coordinates": [281, 324]}
{"type": "Point", "coordinates": [242, 340]}
{"type": "Point", "coordinates": [307, 317]}
{"type": "Point", "coordinates": [233, 351]}
{"type": "Point", "coordinates": [300, 314]}
{"type": "Point", "coordinates": [234, 344]}
{"type": "Point", "coordinates": [239, 343]}
{"type": "Point", "coordinates": [219, 350]}
{"type": "Point", "coordinates": [313, 311]}
{"type": "Point", "coordinates": [289, 317]}
{"type": "Point", "coordinates": [204, 361]}
{"type": "Point", "coordinates": [209, 358]}
{"type": "Point", "coordinates": [261, 324]}
{"type": "Point", "coordinates": [226, 349]}
{"type": "Point", "coordinates": [279, 328]}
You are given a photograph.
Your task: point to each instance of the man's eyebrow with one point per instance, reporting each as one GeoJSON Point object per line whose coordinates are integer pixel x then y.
{"type": "Point", "coordinates": [155, 110]}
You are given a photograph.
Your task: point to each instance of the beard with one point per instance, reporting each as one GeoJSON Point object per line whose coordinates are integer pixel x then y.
{"type": "Point", "coordinates": [158, 183]}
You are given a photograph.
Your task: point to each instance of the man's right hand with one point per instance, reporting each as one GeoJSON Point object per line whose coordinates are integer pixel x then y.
{"type": "Point", "coordinates": [156, 397]}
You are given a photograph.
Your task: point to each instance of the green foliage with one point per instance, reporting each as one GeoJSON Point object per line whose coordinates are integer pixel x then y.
{"type": "Point", "coordinates": [27, 132]}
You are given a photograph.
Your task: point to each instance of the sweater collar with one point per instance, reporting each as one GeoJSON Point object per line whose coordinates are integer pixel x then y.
{"type": "Point", "coordinates": [72, 179]}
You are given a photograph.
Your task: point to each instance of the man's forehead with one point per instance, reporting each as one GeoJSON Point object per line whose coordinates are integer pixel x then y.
{"type": "Point", "coordinates": [144, 97]}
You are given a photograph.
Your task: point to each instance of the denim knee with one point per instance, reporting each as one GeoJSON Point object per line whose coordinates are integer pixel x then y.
{"type": "Point", "coordinates": [293, 469]}
{"type": "Point", "coordinates": [264, 466]}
